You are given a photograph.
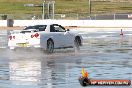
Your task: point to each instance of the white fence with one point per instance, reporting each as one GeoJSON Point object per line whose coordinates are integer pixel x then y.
{"type": "Point", "coordinates": [69, 16]}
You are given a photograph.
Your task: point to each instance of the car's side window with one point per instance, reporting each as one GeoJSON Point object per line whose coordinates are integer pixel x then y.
{"type": "Point", "coordinates": [59, 28]}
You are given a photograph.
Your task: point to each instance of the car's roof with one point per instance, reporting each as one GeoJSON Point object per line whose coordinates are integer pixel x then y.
{"type": "Point", "coordinates": [39, 25]}
{"type": "Point", "coordinates": [36, 25]}
{"type": "Point", "coordinates": [45, 24]}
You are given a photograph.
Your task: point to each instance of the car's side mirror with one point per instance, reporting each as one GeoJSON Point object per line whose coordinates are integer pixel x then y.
{"type": "Point", "coordinates": [68, 30]}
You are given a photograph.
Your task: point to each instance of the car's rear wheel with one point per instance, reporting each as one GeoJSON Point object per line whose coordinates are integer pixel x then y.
{"type": "Point", "coordinates": [50, 46]}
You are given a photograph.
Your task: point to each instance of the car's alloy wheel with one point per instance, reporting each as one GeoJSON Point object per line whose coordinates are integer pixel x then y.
{"type": "Point", "coordinates": [50, 46]}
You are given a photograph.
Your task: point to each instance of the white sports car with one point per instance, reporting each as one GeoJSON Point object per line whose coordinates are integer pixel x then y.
{"type": "Point", "coordinates": [47, 37]}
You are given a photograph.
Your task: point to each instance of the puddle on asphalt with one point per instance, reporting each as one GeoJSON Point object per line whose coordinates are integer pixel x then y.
{"type": "Point", "coordinates": [104, 58]}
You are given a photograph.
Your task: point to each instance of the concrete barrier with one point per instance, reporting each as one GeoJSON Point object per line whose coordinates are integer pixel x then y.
{"type": "Point", "coordinates": [79, 23]}
{"type": "Point", "coordinates": [3, 38]}
{"type": "Point", "coordinates": [85, 23]}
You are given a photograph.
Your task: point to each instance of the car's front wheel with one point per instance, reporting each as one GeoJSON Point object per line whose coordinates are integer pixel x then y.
{"type": "Point", "coordinates": [77, 43]}
{"type": "Point", "coordinates": [50, 46]}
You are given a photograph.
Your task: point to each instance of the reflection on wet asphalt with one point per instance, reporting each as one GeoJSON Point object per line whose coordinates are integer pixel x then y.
{"type": "Point", "coordinates": [105, 55]}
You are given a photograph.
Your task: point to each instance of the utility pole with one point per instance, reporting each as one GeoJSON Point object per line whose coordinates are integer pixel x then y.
{"type": "Point", "coordinates": [89, 7]}
{"type": "Point", "coordinates": [51, 9]}
{"type": "Point", "coordinates": [48, 6]}
{"type": "Point", "coordinates": [43, 10]}
{"type": "Point", "coordinates": [53, 2]}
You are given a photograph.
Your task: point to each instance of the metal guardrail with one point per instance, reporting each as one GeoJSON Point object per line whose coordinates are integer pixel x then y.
{"type": "Point", "coordinates": [72, 16]}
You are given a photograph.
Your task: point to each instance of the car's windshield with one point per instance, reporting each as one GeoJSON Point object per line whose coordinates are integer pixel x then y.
{"type": "Point", "coordinates": [37, 27]}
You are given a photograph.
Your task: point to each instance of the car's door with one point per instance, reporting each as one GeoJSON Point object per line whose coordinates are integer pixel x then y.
{"type": "Point", "coordinates": [68, 37]}
{"type": "Point", "coordinates": [57, 35]}
{"type": "Point", "coordinates": [62, 38]}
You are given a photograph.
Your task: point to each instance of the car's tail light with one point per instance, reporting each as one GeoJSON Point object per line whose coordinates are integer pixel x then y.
{"type": "Point", "coordinates": [32, 36]}
{"type": "Point", "coordinates": [11, 37]}
{"type": "Point", "coordinates": [35, 35]}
